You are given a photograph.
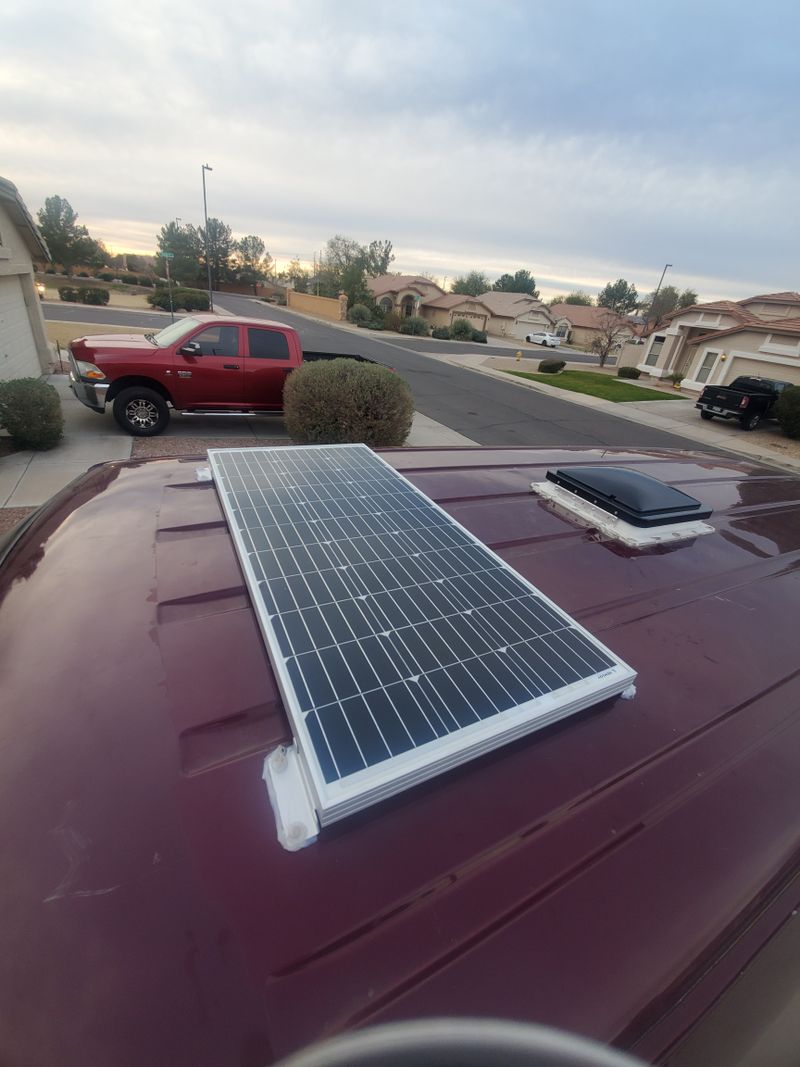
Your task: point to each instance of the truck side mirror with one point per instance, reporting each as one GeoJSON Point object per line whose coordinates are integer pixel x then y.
{"type": "Point", "coordinates": [191, 348]}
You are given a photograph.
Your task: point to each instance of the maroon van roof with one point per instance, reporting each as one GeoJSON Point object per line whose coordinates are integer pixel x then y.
{"type": "Point", "coordinates": [586, 877]}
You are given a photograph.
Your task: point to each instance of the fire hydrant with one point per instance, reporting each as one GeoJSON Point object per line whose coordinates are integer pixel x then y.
{"type": "Point", "coordinates": [519, 356]}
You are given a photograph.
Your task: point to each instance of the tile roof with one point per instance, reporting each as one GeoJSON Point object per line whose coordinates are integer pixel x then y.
{"type": "Point", "coordinates": [510, 305]}
{"type": "Point", "coordinates": [727, 307]}
{"type": "Point", "coordinates": [591, 318]}
{"type": "Point", "coordinates": [451, 300]}
{"type": "Point", "coordinates": [392, 283]}
{"type": "Point", "coordinates": [791, 326]}
{"type": "Point", "coordinates": [774, 298]}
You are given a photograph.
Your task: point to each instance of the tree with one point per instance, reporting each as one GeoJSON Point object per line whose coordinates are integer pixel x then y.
{"type": "Point", "coordinates": [253, 261]}
{"type": "Point", "coordinates": [656, 306]}
{"type": "Point", "coordinates": [472, 284]}
{"type": "Point", "coordinates": [522, 281]}
{"type": "Point", "coordinates": [69, 243]}
{"type": "Point", "coordinates": [377, 256]}
{"type": "Point", "coordinates": [186, 245]}
{"type": "Point", "coordinates": [610, 333]}
{"type": "Point", "coordinates": [619, 296]}
{"type": "Point", "coordinates": [296, 275]}
{"type": "Point", "coordinates": [578, 296]}
{"type": "Point", "coordinates": [687, 298]}
{"type": "Point", "coordinates": [221, 246]}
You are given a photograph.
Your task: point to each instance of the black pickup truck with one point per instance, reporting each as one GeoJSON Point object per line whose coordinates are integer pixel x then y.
{"type": "Point", "coordinates": [747, 399]}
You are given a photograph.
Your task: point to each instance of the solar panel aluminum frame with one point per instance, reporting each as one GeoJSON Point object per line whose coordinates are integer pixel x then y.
{"type": "Point", "coordinates": [336, 800]}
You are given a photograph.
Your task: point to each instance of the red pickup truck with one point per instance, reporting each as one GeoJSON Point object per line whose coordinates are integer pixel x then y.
{"type": "Point", "coordinates": [199, 365]}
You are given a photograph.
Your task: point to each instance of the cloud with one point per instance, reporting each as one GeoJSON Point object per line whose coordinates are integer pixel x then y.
{"type": "Point", "coordinates": [587, 142]}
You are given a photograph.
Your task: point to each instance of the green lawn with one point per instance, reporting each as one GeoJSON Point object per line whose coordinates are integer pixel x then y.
{"type": "Point", "coordinates": [586, 381]}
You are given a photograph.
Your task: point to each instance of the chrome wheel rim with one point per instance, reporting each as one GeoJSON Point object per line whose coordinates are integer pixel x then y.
{"type": "Point", "coordinates": [143, 414]}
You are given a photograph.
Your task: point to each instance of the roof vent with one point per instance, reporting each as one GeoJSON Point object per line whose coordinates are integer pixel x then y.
{"type": "Point", "coordinates": [627, 505]}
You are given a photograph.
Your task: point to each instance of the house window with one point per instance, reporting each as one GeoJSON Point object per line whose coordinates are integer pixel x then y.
{"type": "Point", "coordinates": [655, 350]}
{"type": "Point", "coordinates": [709, 359]}
{"type": "Point", "coordinates": [562, 330]}
{"type": "Point", "coordinates": [386, 304]}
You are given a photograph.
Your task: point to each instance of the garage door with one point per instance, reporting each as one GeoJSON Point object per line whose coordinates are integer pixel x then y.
{"type": "Point", "coordinates": [18, 356]}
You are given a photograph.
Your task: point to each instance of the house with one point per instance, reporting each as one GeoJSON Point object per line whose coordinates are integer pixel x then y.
{"type": "Point", "coordinates": [24, 351]}
{"type": "Point", "coordinates": [515, 315]}
{"type": "Point", "coordinates": [403, 293]}
{"type": "Point", "coordinates": [502, 314]}
{"type": "Point", "coordinates": [581, 325]}
{"type": "Point", "coordinates": [715, 342]}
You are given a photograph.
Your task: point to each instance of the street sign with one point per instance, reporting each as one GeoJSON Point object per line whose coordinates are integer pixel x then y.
{"type": "Point", "coordinates": [167, 255]}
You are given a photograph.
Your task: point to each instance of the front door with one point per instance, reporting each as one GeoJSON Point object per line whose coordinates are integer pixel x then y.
{"type": "Point", "coordinates": [215, 378]}
{"type": "Point", "coordinates": [266, 366]}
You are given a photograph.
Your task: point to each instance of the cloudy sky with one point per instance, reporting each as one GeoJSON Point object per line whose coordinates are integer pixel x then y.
{"type": "Point", "coordinates": [585, 140]}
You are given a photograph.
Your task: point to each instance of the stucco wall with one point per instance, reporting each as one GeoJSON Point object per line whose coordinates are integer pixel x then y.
{"type": "Point", "coordinates": [322, 306]}
{"type": "Point", "coordinates": [744, 353]}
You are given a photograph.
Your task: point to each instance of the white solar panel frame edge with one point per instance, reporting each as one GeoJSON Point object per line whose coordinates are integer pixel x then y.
{"type": "Point", "coordinates": [335, 800]}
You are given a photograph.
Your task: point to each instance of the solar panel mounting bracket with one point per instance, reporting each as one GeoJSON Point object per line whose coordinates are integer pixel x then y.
{"type": "Point", "coordinates": [289, 794]}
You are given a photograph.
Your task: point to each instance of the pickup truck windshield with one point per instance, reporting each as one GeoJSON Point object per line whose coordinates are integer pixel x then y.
{"type": "Point", "coordinates": [174, 332]}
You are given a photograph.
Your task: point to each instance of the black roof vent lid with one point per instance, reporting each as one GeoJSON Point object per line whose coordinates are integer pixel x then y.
{"type": "Point", "coordinates": [637, 498]}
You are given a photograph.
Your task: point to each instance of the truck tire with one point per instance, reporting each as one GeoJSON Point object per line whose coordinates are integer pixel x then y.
{"type": "Point", "coordinates": [141, 412]}
{"type": "Point", "coordinates": [750, 422]}
{"type": "Point", "coordinates": [707, 415]}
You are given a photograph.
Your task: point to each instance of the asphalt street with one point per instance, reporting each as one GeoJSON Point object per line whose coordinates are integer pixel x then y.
{"type": "Point", "coordinates": [483, 408]}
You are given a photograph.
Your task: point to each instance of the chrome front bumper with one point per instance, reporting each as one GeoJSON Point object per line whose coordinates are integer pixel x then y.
{"type": "Point", "coordinates": [92, 394]}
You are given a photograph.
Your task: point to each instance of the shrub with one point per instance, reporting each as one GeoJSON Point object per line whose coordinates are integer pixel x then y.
{"type": "Point", "coordinates": [94, 296]}
{"type": "Point", "coordinates": [629, 372]}
{"type": "Point", "coordinates": [441, 333]}
{"type": "Point", "coordinates": [50, 270]}
{"type": "Point", "coordinates": [130, 279]}
{"type": "Point", "coordinates": [66, 292]}
{"type": "Point", "coordinates": [787, 411]}
{"type": "Point", "coordinates": [144, 280]}
{"type": "Point", "coordinates": [344, 401]}
{"type": "Point", "coordinates": [415, 325]}
{"type": "Point", "coordinates": [392, 321]}
{"type": "Point", "coordinates": [373, 325]}
{"type": "Point", "coordinates": [190, 299]}
{"type": "Point", "coordinates": [461, 330]}
{"type": "Point", "coordinates": [195, 300]}
{"type": "Point", "coordinates": [84, 274]}
{"type": "Point", "coordinates": [30, 410]}
{"type": "Point", "coordinates": [675, 378]}
{"type": "Point", "coordinates": [359, 313]}
{"type": "Point", "coordinates": [105, 276]}
{"type": "Point", "coordinates": [479, 336]}
{"type": "Point", "coordinates": [551, 366]}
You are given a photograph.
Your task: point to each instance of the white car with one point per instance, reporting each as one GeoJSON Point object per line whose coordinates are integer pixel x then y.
{"type": "Point", "coordinates": [549, 340]}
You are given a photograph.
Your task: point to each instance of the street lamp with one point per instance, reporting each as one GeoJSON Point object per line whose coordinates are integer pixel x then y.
{"type": "Point", "coordinates": [658, 289]}
{"type": "Point", "coordinates": [206, 167]}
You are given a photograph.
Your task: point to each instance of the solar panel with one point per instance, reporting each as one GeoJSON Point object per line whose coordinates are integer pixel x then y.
{"type": "Point", "coordinates": [402, 645]}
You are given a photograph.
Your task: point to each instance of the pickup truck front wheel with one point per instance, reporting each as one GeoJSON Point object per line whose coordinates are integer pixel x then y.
{"type": "Point", "coordinates": [750, 422]}
{"type": "Point", "coordinates": [140, 411]}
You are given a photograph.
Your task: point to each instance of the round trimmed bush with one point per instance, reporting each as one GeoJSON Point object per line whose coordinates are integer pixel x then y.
{"type": "Point", "coordinates": [105, 276]}
{"type": "Point", "coordinates": [479, 336]}
{"type": "Point", "coordinates": [629, 372]}
{"type": "Point", "coordinates": [30, 410]}
{"type": "Point", "coordinates": [130, 279]}
{"type": "Point", "coordinates": [415, 325]}
{"type": "Point", "coordinates": [342, 401]}
{"type": "Point", "coordinates": [94, 296]}
{"type": "Point", "coordinates": [551, 366]}
{"type": "Point", "coordinates": [787, 411]}
{"type": "Point", "coordinates": [441, 333]}
{"type": "Point", "coordinates": [461, 330]}
{"type": "Point", "coordinates": [68, 293]}
{"type": "Point", "coordinates": [359, 314]}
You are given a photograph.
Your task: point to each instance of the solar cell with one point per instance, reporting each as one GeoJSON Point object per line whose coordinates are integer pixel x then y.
{"type": "Point", "coordinates": [402, 645]}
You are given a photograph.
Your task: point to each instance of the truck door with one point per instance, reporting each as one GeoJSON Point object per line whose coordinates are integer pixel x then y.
{"type": "Point", "coordinates": [214, 377]}
{"type": "Point", "coordinates": [266, 367]}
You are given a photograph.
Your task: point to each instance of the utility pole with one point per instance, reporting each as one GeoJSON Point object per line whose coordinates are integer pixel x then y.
{"type": "Point", "coordinates": [658, 290]}
{"type": "Point", "coordinates": [206, 167]}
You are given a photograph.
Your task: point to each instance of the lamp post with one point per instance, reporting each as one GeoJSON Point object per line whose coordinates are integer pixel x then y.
{"type": "Point", "coordinates": [658, 289]}
{"type": "Point", "coordinates": [204, 168]}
